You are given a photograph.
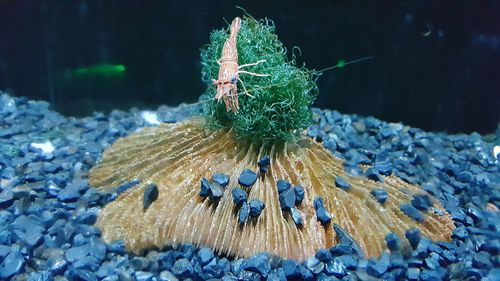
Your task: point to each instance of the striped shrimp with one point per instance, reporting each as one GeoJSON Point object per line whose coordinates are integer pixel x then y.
{"type": "Point", "coordinates": [229, 70]}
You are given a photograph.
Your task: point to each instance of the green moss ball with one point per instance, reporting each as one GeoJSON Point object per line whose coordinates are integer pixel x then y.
{"type": "Point", "coordinates": [280, 107]}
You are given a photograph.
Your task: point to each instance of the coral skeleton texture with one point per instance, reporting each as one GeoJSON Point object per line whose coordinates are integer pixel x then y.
{"type": "Point", "coordinates": [176, 156]}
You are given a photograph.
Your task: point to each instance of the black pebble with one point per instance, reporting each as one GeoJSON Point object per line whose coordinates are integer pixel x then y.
{"type": "Point", "coordinates": [282, 185]}
{"type": "Point", "coordinates": [346, 239]}
{"type": "Point", "coordinates": [247, 178]}
{"type": "Point", "coordinates": [264, 163]}
{"type": "Point", "coordinates": [413, 236]}
{"type": "Point", "coordinates": [239, 196]}
{"type": "Point", "coordinates": [374, 175]}
{"type": "Point", "coordinates": [6, 199]}
{"type": "Point", "coordinates": [342, 183]}
{"type": "Point", "coordinates": [244, 213]}
{"type": "Point", "coordinates": [216, 191]}
{"type": "Point", "coordinates": [299, 194]}
{"type": "Point", "coordinates": [412, 212]}
{"type": "Point", "coordinates": [296, 216]}
{"type": "Point", "coordinates": [150, 195]}
{"type": "Point", "coordinates": [380, 195]}
{"type": "Point", "coordinates": [392, 241]}
{"type": "Point", "coordinates": [323, 216]}
{"type": "Point", "coordinates": [221, 179]}
{"type": "Point", "coordinates": [256, 207]}
{"type": "Point", "coordinates": [204, 187]}
{"type": "Point", "coordinates": [287, 199]}
{"type": "Point", "coordinates": [422, 202]}
{"type": "Point", "coordinates": [318, 203]}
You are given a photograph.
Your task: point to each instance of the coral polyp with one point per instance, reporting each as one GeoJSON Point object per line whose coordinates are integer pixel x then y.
{"type": "Point", "coordinates": [176, 157]}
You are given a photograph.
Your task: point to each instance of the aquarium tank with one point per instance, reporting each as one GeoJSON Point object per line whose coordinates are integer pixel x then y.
{"type": "Point", "coordinates": [289, 140]}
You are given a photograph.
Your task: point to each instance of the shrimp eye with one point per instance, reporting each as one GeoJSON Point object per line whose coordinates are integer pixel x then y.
{"type": "Point", "coordinates": [233, 80]}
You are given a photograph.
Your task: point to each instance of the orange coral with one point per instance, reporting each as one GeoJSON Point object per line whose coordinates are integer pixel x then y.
{"type": "Point", "coordinates": [176, 156]}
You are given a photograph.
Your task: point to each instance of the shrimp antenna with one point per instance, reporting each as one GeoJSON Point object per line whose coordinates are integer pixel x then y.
{"type": "Point", "coordinates": [341, 64]}
{"type": "Point", "coordinates": [244, 11]}
{"type": "Point", "coordinates": [338, 65]}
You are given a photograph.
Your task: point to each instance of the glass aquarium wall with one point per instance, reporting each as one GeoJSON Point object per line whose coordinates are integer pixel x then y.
{"type": "Point", "coordinates": [435, 63]}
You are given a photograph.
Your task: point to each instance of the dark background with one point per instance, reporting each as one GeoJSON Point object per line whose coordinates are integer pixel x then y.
{"type": "Point", "coordinates": [436, 63]}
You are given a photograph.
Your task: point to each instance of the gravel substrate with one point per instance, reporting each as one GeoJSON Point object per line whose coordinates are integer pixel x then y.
{"type": "Point", "coordinates": [47, 209]}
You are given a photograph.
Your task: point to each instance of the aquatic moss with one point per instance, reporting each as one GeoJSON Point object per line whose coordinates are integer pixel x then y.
{"type": "Point", "coordinates": [280, 109]}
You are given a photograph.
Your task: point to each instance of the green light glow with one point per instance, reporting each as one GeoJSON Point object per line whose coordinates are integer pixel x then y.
{"type": "Point", "coordinates": [103, 69]}
{"type": "Point", "coordinates": [340, 63]}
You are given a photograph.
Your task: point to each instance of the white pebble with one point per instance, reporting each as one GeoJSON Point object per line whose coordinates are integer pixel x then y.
{"type": "Point", "coordinates": [496, 151]}
{"type": "Point", "coordinates": [46, 147]}
{"type": "Point", "coordinates": [150, 117]}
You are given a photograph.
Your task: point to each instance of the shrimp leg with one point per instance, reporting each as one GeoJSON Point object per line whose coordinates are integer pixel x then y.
{"type": "Point", "coordinates": [244, 88]}
{"type": "Point", "coordinates": [251, 64]}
